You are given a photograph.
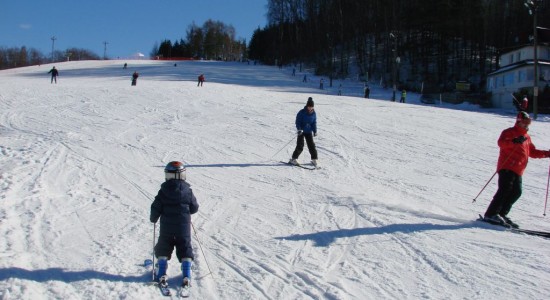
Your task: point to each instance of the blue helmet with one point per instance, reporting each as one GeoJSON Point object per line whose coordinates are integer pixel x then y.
{"type": "Point", "coordinates": [175, 170]}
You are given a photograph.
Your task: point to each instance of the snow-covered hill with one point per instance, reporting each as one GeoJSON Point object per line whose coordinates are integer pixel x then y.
{"type": "Point", "coordinates": [389, 215]}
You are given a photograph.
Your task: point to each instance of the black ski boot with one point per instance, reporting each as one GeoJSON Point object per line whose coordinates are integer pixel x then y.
{"type": "Point", "coordinates": [510, 222]}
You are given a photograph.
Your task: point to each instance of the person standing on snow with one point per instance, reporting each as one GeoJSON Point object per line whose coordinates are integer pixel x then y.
{"type": "Point", "coordinates": [135, 77]}
{"type": "Point", "coordinates": [200, 79]}
{"type": "Point", "coordinates": [403, 96]}
{"type": "Point", "coordinates": [306, 125]}
{"type": "Point", "coordinates": [515, 149]}
{"type": "Point", "coordinates": [54, 73]}
{"type": "Point", "coordinates": [524, 104]}
{"type": "Point", "coordinates": [174, 205]}
{"type": "Point", "coordinates": [366, 91]}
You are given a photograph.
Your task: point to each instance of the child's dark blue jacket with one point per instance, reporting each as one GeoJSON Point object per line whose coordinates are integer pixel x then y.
{"type": "Point", "coordinates": [174, 205]}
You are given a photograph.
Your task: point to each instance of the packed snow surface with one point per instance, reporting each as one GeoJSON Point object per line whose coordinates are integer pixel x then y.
{"type": "Point", "coordinates": [388, 216]}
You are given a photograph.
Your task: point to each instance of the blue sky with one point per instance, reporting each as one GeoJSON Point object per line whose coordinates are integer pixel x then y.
{"type": "Point", "coordinates": [127, 26]}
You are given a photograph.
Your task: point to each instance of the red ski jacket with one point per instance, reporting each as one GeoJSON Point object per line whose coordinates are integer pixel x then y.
{"type": "Point", "coordinates": [514, 157]}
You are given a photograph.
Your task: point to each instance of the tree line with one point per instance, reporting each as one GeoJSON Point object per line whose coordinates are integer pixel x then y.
{"type": "Point", "coordinates": [415, 43]}
{"type": "Point", "coordinates": [213, 40]}
{"type": "Point", "coordinates": [16, 57]}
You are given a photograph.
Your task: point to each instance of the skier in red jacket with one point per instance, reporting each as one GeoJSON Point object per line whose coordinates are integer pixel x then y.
{"type": "Point", "coordinates": [524, 103]}
{"type": "Point", "coordinates": [201, 80]}
{"type": "Point", "coordinates": [515, 149]}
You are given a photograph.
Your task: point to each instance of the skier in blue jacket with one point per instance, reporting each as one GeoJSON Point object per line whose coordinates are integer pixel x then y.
{"type": "Point", "coordinates": [174, 205]}
{"type": "Point", "coordinates": [306, 126]}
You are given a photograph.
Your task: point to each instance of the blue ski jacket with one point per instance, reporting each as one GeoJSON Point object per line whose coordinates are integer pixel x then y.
{"type": "Point", "coordinates": [174, 205]}
{"type": "Point", "coordinates": [306, 121]}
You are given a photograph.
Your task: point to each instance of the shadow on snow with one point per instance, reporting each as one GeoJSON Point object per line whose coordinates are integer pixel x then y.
{"type": "Point", "coordinates": [59, 274]}
{"type": "Point", "coordinates": [325, 238]}
{"type": "Point", "coordinates": [245, 165]}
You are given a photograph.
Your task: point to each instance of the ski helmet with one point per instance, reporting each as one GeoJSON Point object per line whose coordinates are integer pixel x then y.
{"type": "Point", "coordinates": [174, 170]}
{"type": "Point", "coordinates": [523, 117]}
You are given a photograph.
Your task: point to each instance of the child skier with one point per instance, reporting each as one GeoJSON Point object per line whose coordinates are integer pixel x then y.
{"type": "Point", "coordinates": [174, 205]}
{"type": "Point", "coordinates": [306, 126]}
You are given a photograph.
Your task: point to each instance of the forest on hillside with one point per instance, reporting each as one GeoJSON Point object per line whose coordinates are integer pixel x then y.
{"type": "Point", "coordinates": [414, 43]}
{"type": "Point", "coordinates": [214, 40]}
{"type": "Point", "coordinates": [15, 57]}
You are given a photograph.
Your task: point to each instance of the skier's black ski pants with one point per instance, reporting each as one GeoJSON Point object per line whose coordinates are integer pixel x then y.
{"type": "Point", "coordinates": [166, 244]}
{"type": "Point", "coordinates": [509, 191]}
{"type": "Point", "coordinates": [300, 146]}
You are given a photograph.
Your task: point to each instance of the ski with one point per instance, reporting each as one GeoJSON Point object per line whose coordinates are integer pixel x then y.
{"type": "Point", "coordinates": [163, 287]}
{"type": "Point", "coordinates": [184, 291]}
{"type": "Point", "coordinates": [533, 232]}
{"type": "Point", "coordinates": [300, 166]}
{"type": "Point", "coordinates": [518, 230]}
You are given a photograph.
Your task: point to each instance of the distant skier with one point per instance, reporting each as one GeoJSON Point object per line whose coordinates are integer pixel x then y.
{"type": "Point", "coordinates": [515, 149]}
{"type": "Point", "coordinates": [306, 126]}
{"type": "Point", "coordinates": [305, 78]}
{"type": "Point", "coordinates": [321, 84]}
{"type": "Point", "coordinates": [135, 77]}
{"type": "Point", "coordinates": [366, 90]}
{"type": "Point", "coordinates": [403, 96]}
{"type": "Point", "coordinates": [54, 73]}
{"type": "Point", "coordinates": [524, 103]}
{"type": "Point", "coordinates": [174, 205]}
{"type": "Point", "coordinates": [201, 80]}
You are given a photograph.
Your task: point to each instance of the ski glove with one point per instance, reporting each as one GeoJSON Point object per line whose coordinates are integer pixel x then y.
{"type": "Point", "coordinates": [519, 140]}
{"type": "Point", "coordinates": [299, 132]}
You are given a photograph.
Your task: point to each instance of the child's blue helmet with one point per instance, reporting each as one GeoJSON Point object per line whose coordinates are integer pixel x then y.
{"type": "Point", "coordinates": [175, 170]}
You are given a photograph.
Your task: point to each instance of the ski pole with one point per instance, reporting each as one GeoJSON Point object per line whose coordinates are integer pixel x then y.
{"type": "Point", "coordinates": [507, 158]}
{"type": "Point", "coordinates": [485, 186]}
{"type": "Point", "coordinates": [198, 241]}
{"type": "Point", "coordinates": [154, 238]}
{"type": "Point", "coordinates": [282, 148]}
{"type": "Point", "coordinates": [547, 184]}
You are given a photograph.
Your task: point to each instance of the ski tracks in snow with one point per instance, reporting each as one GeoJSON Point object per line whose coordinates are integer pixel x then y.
{"type": "Point", "coordinates": [83, 160]}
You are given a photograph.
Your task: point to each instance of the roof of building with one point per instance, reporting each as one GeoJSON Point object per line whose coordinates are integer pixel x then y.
{"type": "Point", "coordinates": [517, 66]}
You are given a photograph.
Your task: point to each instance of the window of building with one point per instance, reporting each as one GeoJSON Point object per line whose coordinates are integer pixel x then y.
{"type": "Point", "coordinates": [522, 75]}
{"type": "Point", "coordinates": [508, 79]}
{"type": "Point", "coordinates": [530, 75]}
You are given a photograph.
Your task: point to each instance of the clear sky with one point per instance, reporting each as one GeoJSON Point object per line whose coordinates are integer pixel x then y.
{"type": "Point", "coordinates": [128, 26]}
